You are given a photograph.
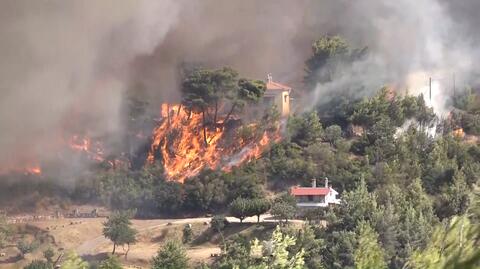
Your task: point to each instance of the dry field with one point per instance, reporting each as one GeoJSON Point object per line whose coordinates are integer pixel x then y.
{"type": "Point", "coordinates": [84, 236]}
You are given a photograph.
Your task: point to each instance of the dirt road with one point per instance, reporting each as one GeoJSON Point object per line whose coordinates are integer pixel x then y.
{"type": "Point", "coordinates": [91, 247]}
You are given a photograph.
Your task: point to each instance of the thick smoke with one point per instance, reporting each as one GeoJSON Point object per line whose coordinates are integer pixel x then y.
{"type": "Point", "coordinates": [66, 64]}
{"type": "Point", "coordinates": [62, 68]}
{"type": "Point", "coordinates": [409, 41]}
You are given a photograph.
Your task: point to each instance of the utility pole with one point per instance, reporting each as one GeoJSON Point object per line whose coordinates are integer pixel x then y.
{"type": "Point", "coordinates": [430, 88]}
{"type": "Point", "coordinates": [454, 90]}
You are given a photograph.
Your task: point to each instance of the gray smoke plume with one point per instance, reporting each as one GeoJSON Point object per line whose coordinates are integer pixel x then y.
{"type": "Point", "coordinates": [65, 65]}
{"type": "Point", "coordinates": [409, 41]}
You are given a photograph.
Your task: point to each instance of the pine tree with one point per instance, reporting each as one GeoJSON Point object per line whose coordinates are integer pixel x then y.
{"type": "Point", "coordinates": [171, 256]}
{"type": "Point", "coordinates": [368, 254]}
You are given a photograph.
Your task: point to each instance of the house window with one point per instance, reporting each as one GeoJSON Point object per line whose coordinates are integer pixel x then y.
{"type": "Point", "coordinates": [310, 198]}
{"type": "Point", "coordinates": [285, 98]}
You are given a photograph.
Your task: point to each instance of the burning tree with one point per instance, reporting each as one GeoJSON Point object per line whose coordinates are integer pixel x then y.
{"type": "Point", "coordinates": [205, 90]}
{"type": "Point", "coordinates": [207, 94]}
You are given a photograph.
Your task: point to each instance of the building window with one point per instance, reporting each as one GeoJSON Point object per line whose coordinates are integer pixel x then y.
{"type": "Point", "coordinates": [285, 98]}
{"type": "Point", "coordinates": [310, 198]}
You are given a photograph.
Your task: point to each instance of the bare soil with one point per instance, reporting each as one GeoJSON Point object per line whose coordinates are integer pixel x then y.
{"type": "Point", "coordinates": [84, 236]}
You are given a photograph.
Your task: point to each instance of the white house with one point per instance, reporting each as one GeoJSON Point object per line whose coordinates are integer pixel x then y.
{"type": "Point", "coordinates": [279, 95]}
{"type": "Point", "coordinates": [310, 197]}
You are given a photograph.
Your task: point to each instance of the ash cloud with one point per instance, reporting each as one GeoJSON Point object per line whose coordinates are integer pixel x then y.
{"type": "Point", "coordinates": [66, 64]}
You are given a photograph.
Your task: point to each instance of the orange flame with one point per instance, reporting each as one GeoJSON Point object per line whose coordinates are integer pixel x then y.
{"type": "Point", "coordinates": [36, 170]}
{"type": "Point", "coordinates": [94, 150]}
{"type": "Point", "coordinates": [179, 139]}
{"type": "Point", "coordinates": [24, 167]}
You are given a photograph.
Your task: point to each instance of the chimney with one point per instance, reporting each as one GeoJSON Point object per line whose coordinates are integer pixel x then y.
{"type": "Point", "coordinates": [326, 182]}
{"type": "Point", "coordinates": [314, 183]}
{"type": "Point", "coordinates": [269, 77]}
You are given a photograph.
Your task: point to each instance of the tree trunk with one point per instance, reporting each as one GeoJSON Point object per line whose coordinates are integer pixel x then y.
{"type": "Point", "coordinates": [216, 112]}
{"type": "Point", "coordinates": [179, 109]}
{"type": "Point", "coordinates": [189, 114]}
{"type": "Point", "coordinates": [229, 113]}
{"type": "Point", "coordinates": [128, 249]}
{"type": "Point", "coordinates": [114, 245]}
{"type": "Point", "coordinates": [204, 128]}
{"type": "Point", "coordinates": [168, 114]}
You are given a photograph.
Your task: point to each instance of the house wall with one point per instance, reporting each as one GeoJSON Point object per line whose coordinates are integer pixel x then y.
{"type": "Point", "coordinates": [285, 103]}
{"type": "Point", "coordinates": [310, 199]}
{"type": "Point", "coordinates": [331, 198]}
{"type": "Point", "coordinates": [281, 99]}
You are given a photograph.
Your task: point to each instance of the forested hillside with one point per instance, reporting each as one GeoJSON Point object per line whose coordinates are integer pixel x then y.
{"type": "Point", "coordinates": [408, 182]}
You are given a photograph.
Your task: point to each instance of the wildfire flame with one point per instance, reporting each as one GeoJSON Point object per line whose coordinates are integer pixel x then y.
{"type": "Point", "coordinates": [32, 169]}
{"type": "Point", "coordinates": [179, 142]}
{"type": "Point", "coordinates": [94, 150]}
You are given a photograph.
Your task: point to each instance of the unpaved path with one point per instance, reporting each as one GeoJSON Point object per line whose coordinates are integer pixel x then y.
{"type": "Point", "coordinates": [90, 247]}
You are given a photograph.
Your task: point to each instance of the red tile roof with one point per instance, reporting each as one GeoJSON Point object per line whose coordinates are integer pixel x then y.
{"type": "Point", "coordinates": [277, 86]}
{"type": "Point", "coordinates": [300, 191]}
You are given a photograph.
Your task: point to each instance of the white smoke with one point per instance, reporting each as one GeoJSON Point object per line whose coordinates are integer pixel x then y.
{"type": "Point", "coordinates": [412, 41]}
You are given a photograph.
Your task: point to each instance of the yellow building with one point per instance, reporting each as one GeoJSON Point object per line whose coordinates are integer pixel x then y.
{"type": "Point", "coordinates": [279, 95]}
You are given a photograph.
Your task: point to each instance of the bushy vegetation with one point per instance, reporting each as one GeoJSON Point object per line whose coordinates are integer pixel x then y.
{"type": "Point", "coordinates": [118, 229]}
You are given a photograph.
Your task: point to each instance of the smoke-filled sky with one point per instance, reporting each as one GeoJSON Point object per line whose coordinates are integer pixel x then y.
{"type": "Point", "coordinates": [66, 64]}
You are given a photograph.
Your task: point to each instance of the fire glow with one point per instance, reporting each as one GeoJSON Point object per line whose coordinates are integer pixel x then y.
{"type": "Point", "coordinates": [93, 150]}
{"type": "Point", "coordinates": [179, 142]}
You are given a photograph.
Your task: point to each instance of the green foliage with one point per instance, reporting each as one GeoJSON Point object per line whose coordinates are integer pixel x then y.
{"type": "Point", "coordinates": [305, 130]}
{"type": "Point", "coordinates": [205, 192]}
{"type": "Point", "coordinates": [306, 239]}
{"type": "Point", "coordinates": [48, 254]}
{"type": "Point", "coordinates": [284, 207]}
{"type": "Point", "coordinates": [111, 262]}
{"type": "Point", "coordinates": [169, 196]}
{"type": "Point", "coordinates": [121, 190]}
{"type": "Point", "coordinates": [206, 89]}
{"type": "Point", "coordinates": [328, 51]}
{"type": "Point", "coordinates": [368, 253]}
{"type": "Point", "coordinates": [241, 208]}
{"type": "Point", "coordinates": [118, 229]}
{"type": "Point", "coordinates": [259, 206]}
{"type": "Point", "coordinates": [357, 206]}
{"type": "Point", "coordinates": [171, 256]}
{"type": "Point", "coordinates": [187, 233]}
{"type": "Point", "coordinates": [274, 253]}
{"type": "Point", "coordinates": [333, 133]}
{"type": "Point", "coordinates": [277, 252]}
{"type": "Point", "coordinates": [455, 199]}
{"type": "Point", "coordinates": [36, 264]}
{"type": "Point", "coordinates": [203, 87]}
{"type": "Point", "coordinates": [218, 222]}
{"type": "Point", "coordinates": [5, 231]}
{"type": "Point", "coordinates": [452, 246]}
{"type": "Point", "coordinates": [26, 247]}
{"type": "Point", "coordinates": [465, 100]}
{"type": "Point", "coordinates": [250, 91]}
{"type": "Point", "coordinates": [73, 261]}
